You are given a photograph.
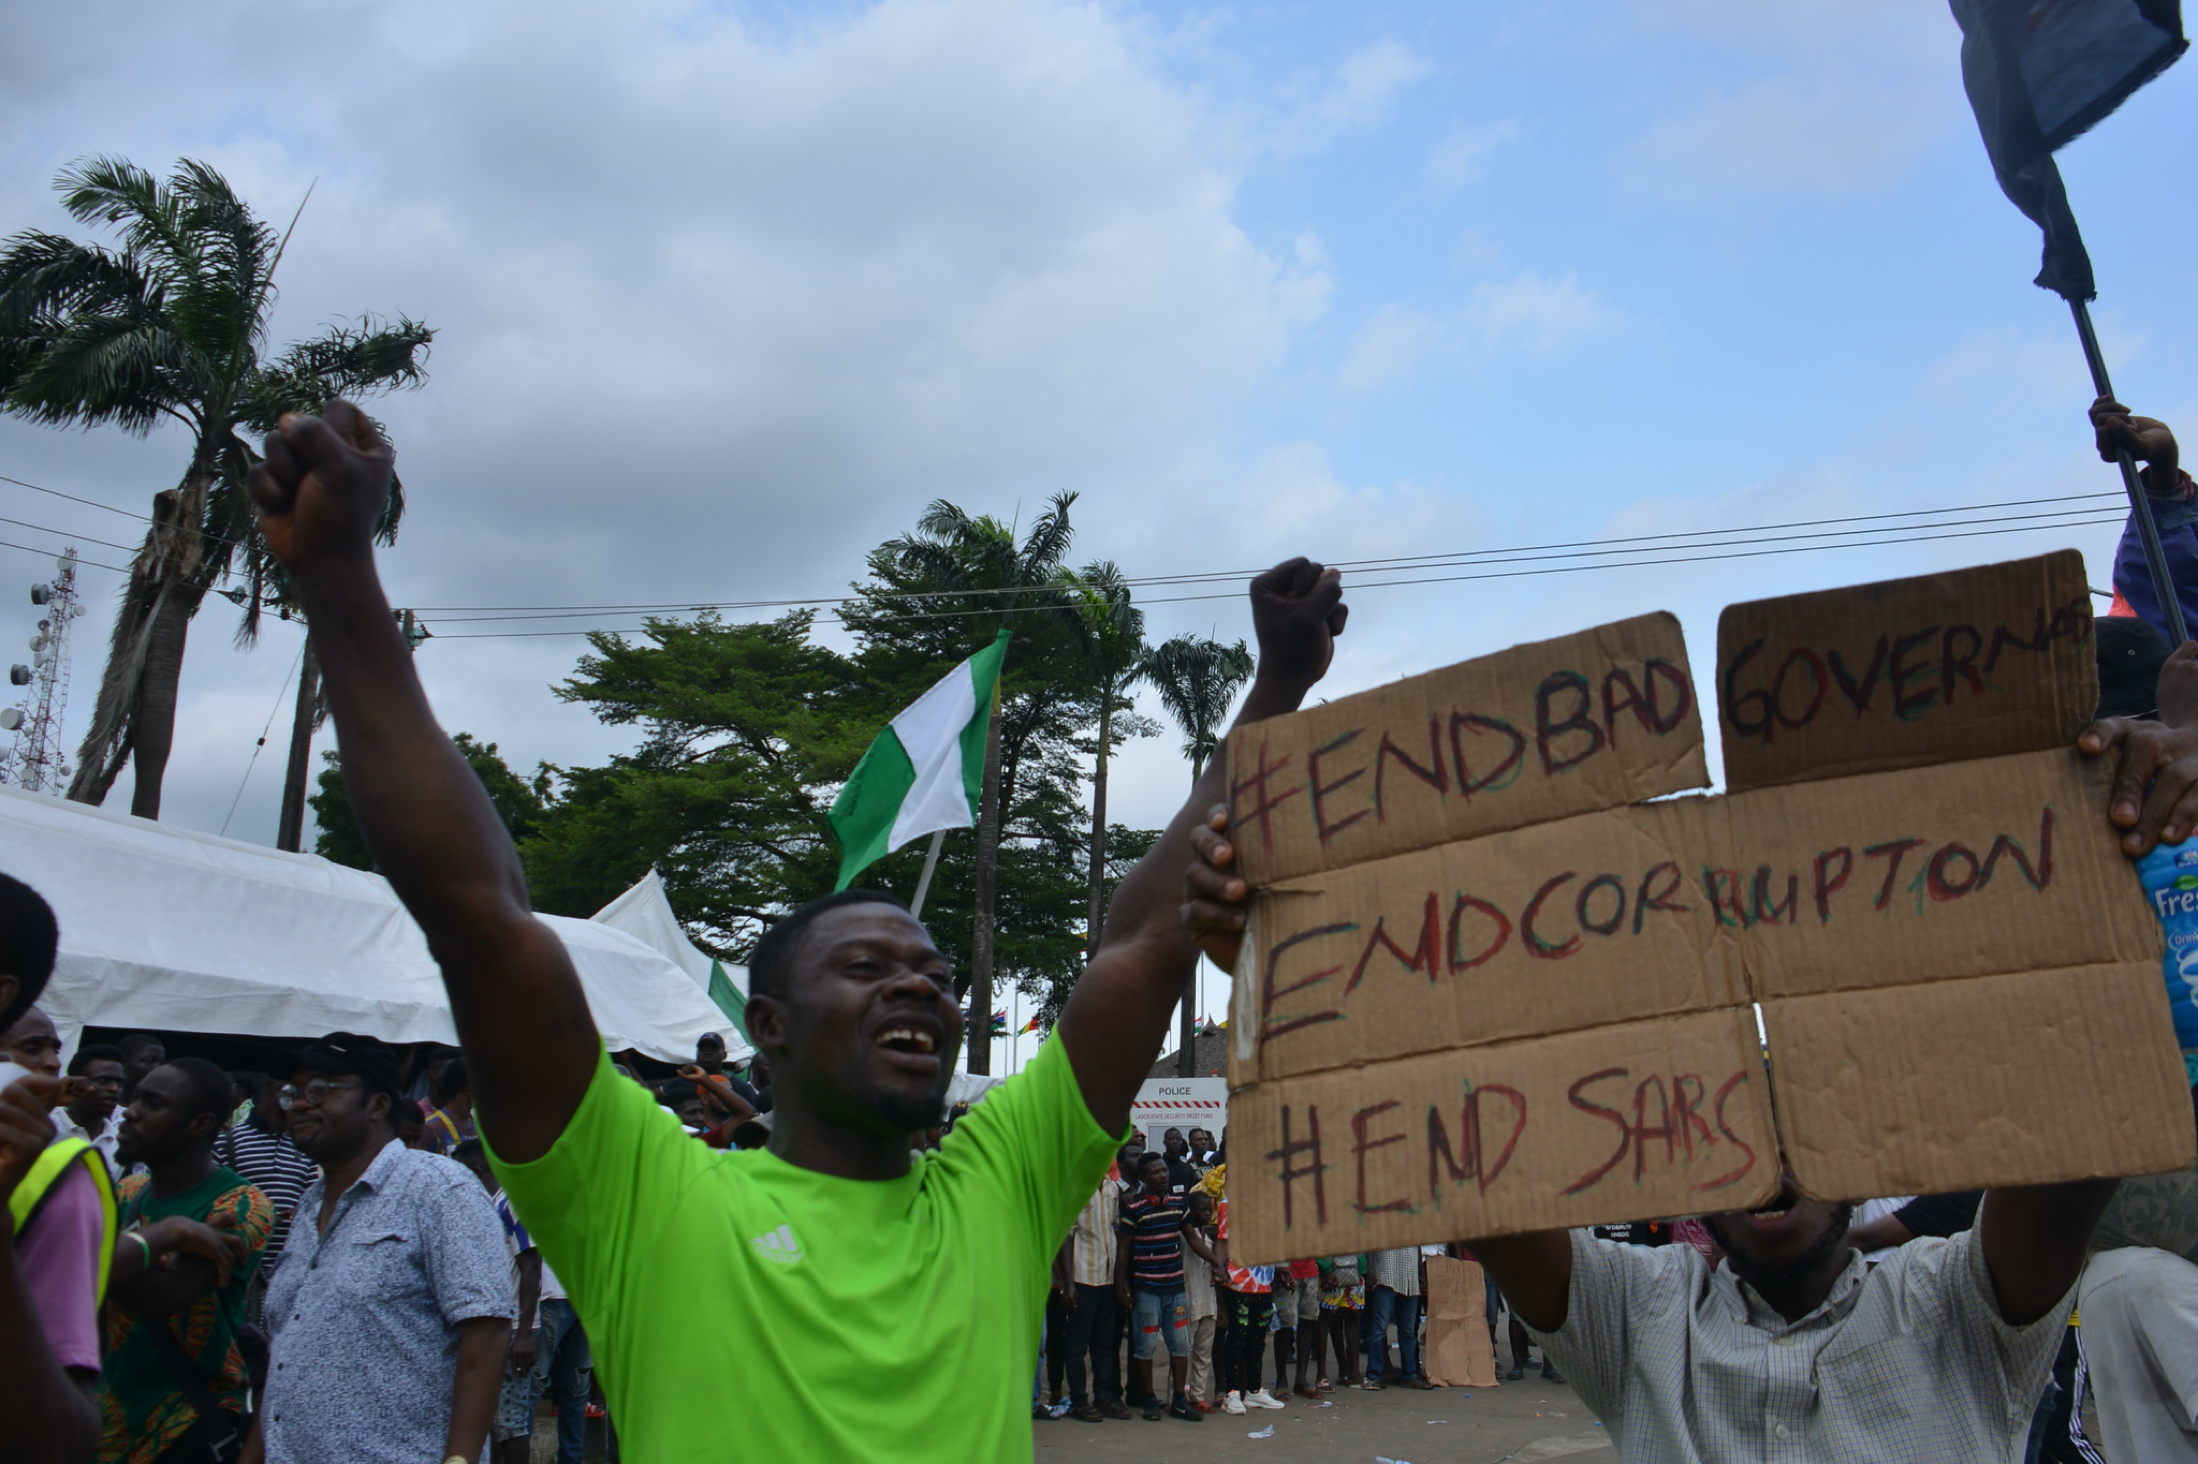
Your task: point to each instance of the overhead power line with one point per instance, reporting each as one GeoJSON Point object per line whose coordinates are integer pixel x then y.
{"type": "Point", "coordinates": [1358, 585]}
{"type": "Point", "coordinates": [1853, 531]}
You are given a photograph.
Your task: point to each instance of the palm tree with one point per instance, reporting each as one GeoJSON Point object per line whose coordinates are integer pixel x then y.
{"type": "Point", "coordinates": [1196, 678]}
{"type": "Point", "coordinates": [172, 326]}
{"type": "Point", "coordinates": [943, 590]}
{"type": "Point", "coordinates": [1109, 631]}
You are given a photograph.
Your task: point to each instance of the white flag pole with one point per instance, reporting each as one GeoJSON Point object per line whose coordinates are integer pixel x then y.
{"type": "Point", "coordinates": [930, 863]}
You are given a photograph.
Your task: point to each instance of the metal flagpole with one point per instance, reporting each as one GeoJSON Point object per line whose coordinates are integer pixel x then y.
{"type": "Point", "coordinates": [930, 863]}
{"type": "Point", "coordinates": [2171, 604]}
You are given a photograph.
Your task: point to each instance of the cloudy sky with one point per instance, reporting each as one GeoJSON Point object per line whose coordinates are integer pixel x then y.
{"type": "Point", "coordinates": [726, 293]}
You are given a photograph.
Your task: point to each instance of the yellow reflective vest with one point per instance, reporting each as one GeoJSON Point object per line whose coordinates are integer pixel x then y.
{"type": "Point", "coordinates": [47, 1172]}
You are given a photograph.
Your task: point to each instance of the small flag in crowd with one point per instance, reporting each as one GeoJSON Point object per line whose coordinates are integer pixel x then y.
{"type": "Point", "coordinates": [2041, 75]}
{"type": "Point", "coordinates": [925, 771]}
{"type": "Point", "coordinates": [999, 1020]}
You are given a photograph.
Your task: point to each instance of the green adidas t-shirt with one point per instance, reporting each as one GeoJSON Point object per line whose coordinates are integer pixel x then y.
{"type": "Point", "coordinates": [740, 1307]}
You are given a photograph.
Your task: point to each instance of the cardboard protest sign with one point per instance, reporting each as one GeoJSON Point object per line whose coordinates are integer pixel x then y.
{"type": "Point", "coordinates": [1550, 1019]}
{"type": "Point", "coordinates": [1586, 721]}
{"type": "Point", "coordinates": [1459, 1353]}
{"type": "Point", "coordinates": [1905, 673]}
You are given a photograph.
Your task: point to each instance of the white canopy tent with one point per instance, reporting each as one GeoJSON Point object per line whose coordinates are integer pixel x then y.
{"type": "Point", "coordinates": [645, 913]}
{"type": "Point", "coordinates": [171, 930]}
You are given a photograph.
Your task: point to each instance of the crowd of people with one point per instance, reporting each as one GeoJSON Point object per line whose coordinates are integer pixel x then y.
{"type": "Point", "coordinates": [1146, 1267]}
{"type": "Point", "coordinates": [360, 1252]}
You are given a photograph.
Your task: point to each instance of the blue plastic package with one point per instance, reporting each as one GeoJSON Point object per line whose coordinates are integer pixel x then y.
{"type": "Point", "coordinates": [2170, 877]}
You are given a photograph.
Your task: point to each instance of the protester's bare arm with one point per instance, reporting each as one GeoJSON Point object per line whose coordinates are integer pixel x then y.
{"type": "Point", "coordinates": [1118, 1015]}
{"type": "Point", "coordinates": [530, 1302]}
{"type": "Point", "coordinates": [1534, 1273]}
{"type": "Point", "coordinates": [2146, 439]}
{"type": "Point", "coordinates": [50, 1415]}
{"type": "Point", "coordinates": [189, 1259]}
{"type": "Point", "coordinates": [476, 1385]}
{"type": "Point", "coordinates": [2034, 1242]}
{"type": "Point", "coordinates": [1197, 1243]}
{"type": "Point", "coordinates": [2155, 797]}
{"type": "Point", "coordinates": [529, 1041]}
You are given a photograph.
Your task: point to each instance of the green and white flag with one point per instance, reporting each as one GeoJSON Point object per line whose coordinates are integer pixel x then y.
{"type": "Point", "coordinates": [926, 770]}
{"type": "Point", "coordinates": [729, 1000]}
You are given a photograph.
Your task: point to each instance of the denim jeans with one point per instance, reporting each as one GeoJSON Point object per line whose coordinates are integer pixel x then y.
{"type": "Point", "coordinates": [1382, 1306]}
{"type": "Point", "coordinates": [561, 1364]}
{"type": "Point", "coordinates": [1161, 1316]}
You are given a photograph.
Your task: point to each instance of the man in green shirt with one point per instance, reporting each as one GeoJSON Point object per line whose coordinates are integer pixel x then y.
{"type": "Point", "coordinates": [793, 1301]}
{"type": "Point", "coordinates": [192, 1237]}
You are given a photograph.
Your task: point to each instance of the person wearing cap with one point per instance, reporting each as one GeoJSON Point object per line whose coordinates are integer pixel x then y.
{"type": "Point", "coordinates": [391, 1308]}
{"type": "Point", "coordinates": [832, 1270]}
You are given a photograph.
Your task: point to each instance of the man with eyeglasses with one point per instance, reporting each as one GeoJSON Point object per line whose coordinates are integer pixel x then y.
{"type": "Point", "coordinates": [393, 1302]}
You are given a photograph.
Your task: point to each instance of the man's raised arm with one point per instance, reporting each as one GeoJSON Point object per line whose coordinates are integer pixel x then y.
{"type": "Point", "coordinates": [529, 1040]}
{"type": "Point", "coordinates": [1117, 1017]}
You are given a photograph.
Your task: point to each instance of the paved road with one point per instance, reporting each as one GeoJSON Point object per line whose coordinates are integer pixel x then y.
{"type": "Point", "coordinates": [1517, 1422]}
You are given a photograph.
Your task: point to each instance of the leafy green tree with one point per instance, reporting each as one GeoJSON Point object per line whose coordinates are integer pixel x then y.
{"type": "Point", "coordinates": [172, 327]}
{"type": "Point", "coordinates": [745, 732]}
{"type": "Point", "coordinates": [519, 803]}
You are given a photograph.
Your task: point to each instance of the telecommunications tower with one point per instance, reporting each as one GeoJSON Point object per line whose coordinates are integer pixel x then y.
{"type": "Point", "coordinates": [37, 761]}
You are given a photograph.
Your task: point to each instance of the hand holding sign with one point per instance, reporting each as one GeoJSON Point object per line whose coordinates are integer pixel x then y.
{"type": "Point", "coordinates": [2156, 791]}
{"type": "Point", "coordinates": [1215, 898]}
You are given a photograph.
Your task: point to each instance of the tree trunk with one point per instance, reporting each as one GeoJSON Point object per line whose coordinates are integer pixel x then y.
{"type": "Point", "coordinates": [153, 731]}
{"type": "Point", "coordinates": [137, 692]}
{"type": "Point", "coordinates": [988, 879]}
{"type": "Point", "coordinates": [1098, 916]}
{"type": "Point", "coordinates": [290, 832]}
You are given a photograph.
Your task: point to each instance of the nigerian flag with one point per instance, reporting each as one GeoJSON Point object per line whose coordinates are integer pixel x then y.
{"type": "Point", "coordinates": [925, 771]}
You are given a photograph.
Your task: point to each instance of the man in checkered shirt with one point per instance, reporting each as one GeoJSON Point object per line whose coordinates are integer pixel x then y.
{"type": "Point", "coordinates": [1793, 1350]}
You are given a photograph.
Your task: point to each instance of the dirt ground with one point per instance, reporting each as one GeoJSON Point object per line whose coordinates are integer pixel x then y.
{"type": "Point", "coordinates": [1513, 1421]}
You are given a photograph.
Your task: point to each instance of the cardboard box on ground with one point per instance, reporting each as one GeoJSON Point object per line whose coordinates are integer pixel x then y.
{"type": "Point", "coordinates": [1487, 989]}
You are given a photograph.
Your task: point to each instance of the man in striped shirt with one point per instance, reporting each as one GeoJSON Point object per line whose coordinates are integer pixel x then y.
{"type": "Point", "coordinates": [1094, 1327]}
{"type": "Point", "coordinates": [1156, 1225]}
{"type": "Point", "coordinates": [259, 1148]}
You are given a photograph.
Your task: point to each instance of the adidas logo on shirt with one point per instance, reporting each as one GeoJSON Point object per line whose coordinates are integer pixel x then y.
{"type": "Point", "coordinates": [779, 1246]}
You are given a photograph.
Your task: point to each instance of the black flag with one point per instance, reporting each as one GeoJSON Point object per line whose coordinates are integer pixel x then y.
{"type": "Point", "coordinates": [2040, 73]}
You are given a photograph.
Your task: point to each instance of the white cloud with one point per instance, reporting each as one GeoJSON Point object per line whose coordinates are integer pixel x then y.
{"type": "Point", "coordinates": [1539, 316]}
{"type": "Point", "coordinates": [1458, 159]}
{"type": "Point", "coordinates": [1526, 314]}
{"type": "Point", "coordinates": [719, 310]}
{"type": "Point", "coordinates": [1357, 96]}
{"type": "Point", "coordinates": [1387, 348]}
{"type": "Point", "coordinates": [1367, 83]}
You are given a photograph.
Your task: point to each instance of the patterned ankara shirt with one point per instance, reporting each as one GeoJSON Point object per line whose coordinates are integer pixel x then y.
{"type": "Point", "coordinates": [1905, 1361]}
{"type": "Point", "coordinates": [364, 1318]}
